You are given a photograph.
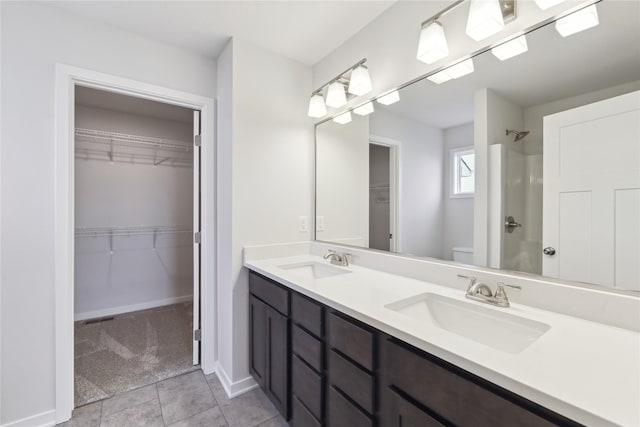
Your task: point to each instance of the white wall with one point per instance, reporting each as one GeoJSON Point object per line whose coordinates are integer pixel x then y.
{"type": "Point", "coordinates": [268, 179]}
{"type": "Point", "coordinates": [390, 42]}
{"type": "Point", "coordinates": [458, 212]}
{"type": "Point", "coordinates": [493, 115]}
{"type": "Point", "coordinates": [421, 173]}
{"type": "Point", "coordinates": [342, 181]}
{"type": "Point", "coordinates": [35, 37]}
{"type": "Point", "coordinates": [140, 270]}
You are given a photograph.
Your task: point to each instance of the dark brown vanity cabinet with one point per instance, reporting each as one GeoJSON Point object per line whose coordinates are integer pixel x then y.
{"type": "Point", "coordinates": [351, 371]}
{"type": "Point", "coordinates": [335, 371]}
{"type": "Point", "coordinates": [269, 339]}
{"type": "Point", "coordinates": [308, 362]}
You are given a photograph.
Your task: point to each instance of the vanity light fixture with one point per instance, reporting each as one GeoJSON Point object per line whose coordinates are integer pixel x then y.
{"type": "Point", "coordinates": [355, 79]}
{"type": "Point", "coordinates": [364, 109]}
{"type": "Point", "coordinates": [485, 19]}
{"type": "Point", "coordinates": [511, 48]}
{"type": "Point", "coordinates": [546, 4]}
{"type": "Point", "coordinates": [578, 21]}
{"type": "Point", "coordinates": [360, 82]}
{"type": "Point", "coordinates": [390, 98]}
{"type": "Point", "coordinates": [317, 108]}
{"type": "Point", "coordinates": [343, 118]}
{"type": "Point", "coordinates": [336, 97]}
{"type": "Point", "coordinates": [433, 43]}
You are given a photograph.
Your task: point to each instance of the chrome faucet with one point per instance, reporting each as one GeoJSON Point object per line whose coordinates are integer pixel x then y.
{"type": "Point", "coordinates": [478, 291]}
{"type": "Point", "coordinates": [337, 258]}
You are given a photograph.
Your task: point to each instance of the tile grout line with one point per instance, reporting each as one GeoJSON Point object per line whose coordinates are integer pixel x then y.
{"type": "Point", "coordinates": [164, 423]}
{"type": "Point", "coordinates": [215, 398]}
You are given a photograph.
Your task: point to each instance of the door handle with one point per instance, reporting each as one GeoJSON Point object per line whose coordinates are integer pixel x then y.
{"type": "Point", "coordinates": [510, 224]}
{"type": "Point", "coordinates": [549, 251]}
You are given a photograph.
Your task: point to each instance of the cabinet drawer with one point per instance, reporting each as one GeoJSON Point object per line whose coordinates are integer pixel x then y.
{"type": "Point", "coordinates": [302, 417]}
{"type": "Point", "coordinates": [351, 340]}
{"type": "Point", "coordinates": [307, 347]}
{"type": "Point", "coordinates": [452, 395]}
{"type": "Point", "coordinates": [307, 313]}
{"type": "Point", "coordinates": [343, 413]}
{"type": "Point", "coordinates": [307, 386]}
{"type": "Point", "coordinates": [269, 292]}
{"type": "Point", "coordinates": [404, 414]}
{"type": "Point", "coordinates": [353, 381]}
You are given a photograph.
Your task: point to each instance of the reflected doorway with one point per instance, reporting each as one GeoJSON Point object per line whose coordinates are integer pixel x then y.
{"type": "Point", "coordinates": [383, 195]}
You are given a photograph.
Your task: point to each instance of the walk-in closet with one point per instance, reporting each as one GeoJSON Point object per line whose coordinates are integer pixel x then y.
{"type": "Point", "coordinates": [134, 181]}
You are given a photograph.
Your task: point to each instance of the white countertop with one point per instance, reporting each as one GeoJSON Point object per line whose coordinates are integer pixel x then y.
{"type": "Point", "coordinates": [586, 371]}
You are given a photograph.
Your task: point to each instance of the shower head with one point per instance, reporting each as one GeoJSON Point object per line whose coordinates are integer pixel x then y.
{"type": "Point", "coordinates": [519, 134]}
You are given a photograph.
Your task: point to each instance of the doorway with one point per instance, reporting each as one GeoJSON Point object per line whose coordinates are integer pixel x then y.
{"type": "Point", "coordinates": [136, 265]}
{"type": "Point", "coordinates": [383, 194]}
{"type": "Point", "coordinates": [68, 79]}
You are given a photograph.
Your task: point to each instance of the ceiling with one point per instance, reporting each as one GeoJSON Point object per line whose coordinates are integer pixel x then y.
{"type": "Point", "coordinates": [128, 104]}
{"type": "Point", "coordinates": [305, 31]}
{"type": "Point", "coordinates": [554, 68]}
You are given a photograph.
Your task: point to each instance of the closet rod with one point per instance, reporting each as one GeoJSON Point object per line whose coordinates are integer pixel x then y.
{"type": "Point", "coordinates": [123, 139]}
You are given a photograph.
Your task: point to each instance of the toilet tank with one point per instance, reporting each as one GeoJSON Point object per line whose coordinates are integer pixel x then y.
{"type": "Point", "coordinates": [462, 255]}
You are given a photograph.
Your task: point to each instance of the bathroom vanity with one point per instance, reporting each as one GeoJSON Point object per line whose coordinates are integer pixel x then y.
{"type": "Point", "coordinates": [353, 346]}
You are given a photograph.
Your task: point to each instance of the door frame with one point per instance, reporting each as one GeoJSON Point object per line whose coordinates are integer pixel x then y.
{"type": "Point", "coordinates": [67, 77]}
{"type": "Point", "coordinates": [394, 187]}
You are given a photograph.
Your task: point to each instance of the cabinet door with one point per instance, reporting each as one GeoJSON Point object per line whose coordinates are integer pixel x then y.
{"type": "Point", "coordinates": [258, 340]}
{"type": "Point", "coordinates": [404, 414]}
{"type": "Point", "coordinates": [278, 360]}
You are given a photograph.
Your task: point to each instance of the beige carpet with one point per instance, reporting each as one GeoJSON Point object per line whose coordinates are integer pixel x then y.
{"type": "Point", "coordinates": [133, 350]}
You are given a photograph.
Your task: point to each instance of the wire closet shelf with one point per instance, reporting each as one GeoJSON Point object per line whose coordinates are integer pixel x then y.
{"type": "Point", "coordinates": [131, 231]}
{"type": "Point", "coordinates": [122, 147]}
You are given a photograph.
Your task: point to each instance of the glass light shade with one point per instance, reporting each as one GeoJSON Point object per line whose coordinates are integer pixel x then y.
{"type": "Point", "coordinates": [546, 4]}
{"type": "Point", "coordinates": [485, 19]}
{"type": "Point", "coordinates": [578, 21]}
{"type": "Point", "coordinates": [461, 69]}
{"type": "Point", "coordinates": [440, 77]}
{"type": "Point", "coordinates": [336, 97]}
{"type": "Point", "coordinates": [343, 118]}
{"type": "Point", "coordinates": [511, 48]}
{"type": "Point", "coordinates": [316, 106]}
{"type": "Point", "coordinates": [433, 44]}
{"type": "Point", "coordinates": [365, 109]}
{"type": "Point", "coordinates": [390, 98]}
{"type": "Point", "coordinates": [360, 82]}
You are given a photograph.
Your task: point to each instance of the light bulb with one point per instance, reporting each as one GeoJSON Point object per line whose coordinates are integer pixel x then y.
{"type": "Point", "coordinates": [578, 21]}
{"type": "Point", "coordinates": [364, 109]}
{"type": "Point", "coordinates": [511, 48]}
{"type": "Point", "coordinates": [433, 43]}
{"type": "Point", "coordinates": [343, 118]}
{"type": "Point", "coordinates": [336, 97]}
{"type": "Point", "coordinates": [485, 19]}
{"type": "Point", "coordinates": [360, 82]}
{"type": "Point", "coordinates": [316, 106]}
{"type": "Point", "coordinates": [390, 98]}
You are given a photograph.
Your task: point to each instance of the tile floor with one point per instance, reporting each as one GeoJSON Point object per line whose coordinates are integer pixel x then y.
{"type": "Point", "coordinates": [188, 400]}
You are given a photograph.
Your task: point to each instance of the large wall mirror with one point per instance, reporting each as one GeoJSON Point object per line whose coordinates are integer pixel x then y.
{"type": "Point", "coordinates": [529, 164]}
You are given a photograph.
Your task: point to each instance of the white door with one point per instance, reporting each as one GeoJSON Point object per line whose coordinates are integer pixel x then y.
{"type": "Point", "coordinates": [591, 196]}
{"type": "Point", "coordinates": [197, 237]}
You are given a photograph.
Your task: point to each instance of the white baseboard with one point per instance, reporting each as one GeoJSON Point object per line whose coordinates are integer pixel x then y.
{"type": "Point", "coordinates": [43, 419]}
{"type": "Point", "coordinates": [237, 388]}
{"type": "Point", "coordinates": [128, 308]}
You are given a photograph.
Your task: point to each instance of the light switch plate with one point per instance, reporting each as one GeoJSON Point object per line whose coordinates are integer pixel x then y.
{"type": "Point", "coordinates": [304, 224]}
{"type": "Point", "coordinates": [319, 223]}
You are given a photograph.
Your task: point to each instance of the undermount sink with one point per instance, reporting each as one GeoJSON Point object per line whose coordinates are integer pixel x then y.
{"type": "Point", "coordinates": [489, 326]}
{"type": "Point", "coordinates": [314, 270]}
